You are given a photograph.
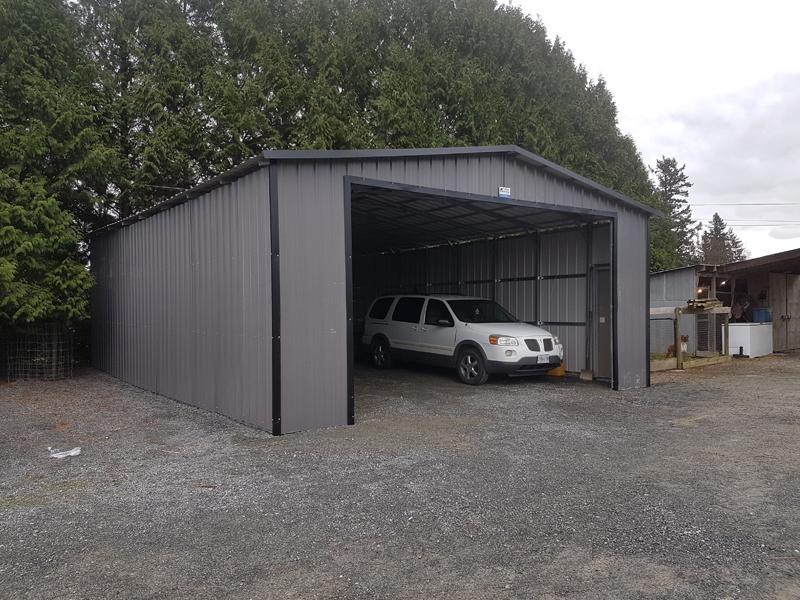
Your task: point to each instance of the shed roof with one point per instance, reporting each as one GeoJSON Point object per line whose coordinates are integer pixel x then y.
{"type": "Point", "coordinates": [788, 261]}
{"type": "Point", "coordinates": [269, 156]}
{"type": "Point", "coordinates": [696, 267]}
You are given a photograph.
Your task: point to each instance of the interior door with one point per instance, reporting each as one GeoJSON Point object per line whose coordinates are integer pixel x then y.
{"type": "Point", "coordinates": [793, 312]}
{"type": "Point", "coordinates": [777, 301]}
{"type": "Point", "coordinates": [434, 338]}
{"type": "Point", "coordinates": [601, 322]}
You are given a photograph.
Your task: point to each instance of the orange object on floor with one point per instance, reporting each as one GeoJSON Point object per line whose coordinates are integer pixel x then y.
{"type": "Point", "coordinates": [559, 371]}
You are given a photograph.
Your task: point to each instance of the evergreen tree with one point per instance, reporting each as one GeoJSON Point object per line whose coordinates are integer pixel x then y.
{"type": "Point", "coordinates": [52, 163]}
{"type": "Point", "coordinates": [157, 62]}
{"type": "Point", "coordinates": [110, 106]}
{"type": "Point", "coordinates": [42, 276]}
{"type": "Point", "coordinates": [720, 245]}
{"type": "Point", "coordinates": [674, 236]}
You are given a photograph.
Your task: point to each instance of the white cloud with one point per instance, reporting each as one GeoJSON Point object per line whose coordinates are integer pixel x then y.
{"type": "Point", "coordinates": [715, 84]}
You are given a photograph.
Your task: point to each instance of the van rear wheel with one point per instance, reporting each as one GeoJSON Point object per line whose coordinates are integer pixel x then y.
{"type": "Point", "coordinates": [471, 367]}
{"type": "Point", "coordinates": [380, 354]}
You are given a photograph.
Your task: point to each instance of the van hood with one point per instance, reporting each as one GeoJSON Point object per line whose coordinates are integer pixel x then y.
{"type": "Point", "coordinates": [519, 330]}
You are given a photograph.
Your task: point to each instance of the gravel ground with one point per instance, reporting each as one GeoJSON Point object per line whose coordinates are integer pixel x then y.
{"type": "Point", "coordinates": [518, 489]}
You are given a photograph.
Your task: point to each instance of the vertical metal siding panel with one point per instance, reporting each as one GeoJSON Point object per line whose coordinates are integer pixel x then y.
{"type": "Point", "coordinates": [564, 300]}
{"type": "Point", "coordinates": [202, 373]}
{"type": "Point", "coordinates": [631, 300]}
{"type": "Point", "coordinates": [179, 290]}
{"type": "Point", "coordinates": [601, 249]}
{"type": "Point", "coordinates": [313, 295]}
{"type": "Point", "coordinates": [563, 253]}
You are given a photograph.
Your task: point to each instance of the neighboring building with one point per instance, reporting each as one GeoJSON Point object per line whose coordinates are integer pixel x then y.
{"type": "Point", "coordinates": [755, 289]}
{"type": "Point", "coordinates": [242, 296]}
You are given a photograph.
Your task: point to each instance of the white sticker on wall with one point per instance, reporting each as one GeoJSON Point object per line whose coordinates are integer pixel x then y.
{"type": "Point", "coordinates": [504, 192]}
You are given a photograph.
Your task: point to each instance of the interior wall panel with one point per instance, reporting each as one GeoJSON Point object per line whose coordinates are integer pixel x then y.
{"type": "Point", "coordinates": [479, 266]}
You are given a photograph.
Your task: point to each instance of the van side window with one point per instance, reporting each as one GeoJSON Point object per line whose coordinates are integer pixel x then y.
{"type": "Point", "coordinates": [435, 311]}
{"type": "Point", "coordinates": [408, 310]}
{"type": "Point", "coordinates": [380, 308]}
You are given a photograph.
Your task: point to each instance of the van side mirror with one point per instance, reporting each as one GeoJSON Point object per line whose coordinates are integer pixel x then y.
{"type": "Point", "coordinates": [445, 323]}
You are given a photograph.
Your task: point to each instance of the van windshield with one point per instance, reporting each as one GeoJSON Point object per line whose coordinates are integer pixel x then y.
{"type": "Point", "coordinates": [480, 311]}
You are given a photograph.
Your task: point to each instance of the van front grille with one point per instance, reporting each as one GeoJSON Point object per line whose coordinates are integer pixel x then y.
{"type": "Point", "coordinates": [548, 344]}
{"type": "Point", "coordinates": [533, 345]}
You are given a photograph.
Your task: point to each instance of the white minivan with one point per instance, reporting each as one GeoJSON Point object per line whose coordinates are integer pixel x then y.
{"type": "Point", "coordinates": [476, 336]}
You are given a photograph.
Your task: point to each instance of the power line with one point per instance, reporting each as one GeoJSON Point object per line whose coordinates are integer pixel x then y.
{"type": "Point", "coordinates": [750, 221]}
{"type": "Point", "coordinates": [745, 204]}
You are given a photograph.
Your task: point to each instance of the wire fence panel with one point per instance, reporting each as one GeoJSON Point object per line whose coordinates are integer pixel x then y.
{"type": "Point", "coordinates": [43, 352]}
{"type": "Point", "coordinates": [662, 335]}
{"type": "Point", "coordinates": [702, 335]}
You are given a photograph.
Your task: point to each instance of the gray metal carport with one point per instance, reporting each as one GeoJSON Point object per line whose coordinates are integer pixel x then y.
{"type": "Point", "coordinates": [240, 296]}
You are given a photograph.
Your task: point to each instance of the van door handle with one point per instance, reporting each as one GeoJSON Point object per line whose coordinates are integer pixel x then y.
{"type": "Point", "coordinates": [423, 329]}
{"type": "Point", "coordinates": [414, 328]}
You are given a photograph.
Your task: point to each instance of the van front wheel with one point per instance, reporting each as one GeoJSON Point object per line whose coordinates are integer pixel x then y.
{"type": "Point", "coordinates": [471, 367]}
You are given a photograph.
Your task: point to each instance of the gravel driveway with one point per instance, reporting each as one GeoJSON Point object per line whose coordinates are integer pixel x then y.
{"type": "Point", "coordinates": [518, 489]}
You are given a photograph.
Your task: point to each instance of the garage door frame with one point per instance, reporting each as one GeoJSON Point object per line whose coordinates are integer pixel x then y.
{"type": "Point", "coordinates": [350, 181]}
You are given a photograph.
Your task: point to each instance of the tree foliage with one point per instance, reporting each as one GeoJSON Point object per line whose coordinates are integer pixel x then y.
{"type": "Point", "coordinates": [52, 161]}
{"type": "Point", "coordinates": [189, 88]}
{"type": "Point", "coordinates": [110, 106]}
{"type": "Point", "coordinates": [41, 276]}
{"type": "Point", "coordinates": [720, 245]}
{"type": "Point", "coordinates": [673, 236]}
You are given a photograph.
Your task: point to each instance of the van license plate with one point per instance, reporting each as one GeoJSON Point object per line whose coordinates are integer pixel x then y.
{"type": "Point", "coordinates": [543, 358]}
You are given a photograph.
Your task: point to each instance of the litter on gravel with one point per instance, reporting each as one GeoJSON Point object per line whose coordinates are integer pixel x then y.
{"type": "Point", "coordinates": [65, 453]}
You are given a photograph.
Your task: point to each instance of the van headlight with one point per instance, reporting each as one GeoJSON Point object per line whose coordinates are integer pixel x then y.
{"type": "Point", "coordinates": [555, 340]}
{"type": "Point", "coordinates": [503, 340]}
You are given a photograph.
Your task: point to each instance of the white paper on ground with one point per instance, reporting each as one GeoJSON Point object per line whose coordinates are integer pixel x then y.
{"type": "Point", "coordinates": [56, 454]}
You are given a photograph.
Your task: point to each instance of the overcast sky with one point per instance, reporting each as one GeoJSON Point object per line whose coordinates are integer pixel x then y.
{"type": "Point", "coordinates": [714, 84]}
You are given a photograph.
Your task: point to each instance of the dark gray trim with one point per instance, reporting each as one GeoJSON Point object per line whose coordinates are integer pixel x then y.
{"type": "Point", "coordinates": [647, 302]}
{"type": "Point", "coordinates": [589, 313]}
{"type": "Point", "coordinates": [538, 291]}
{"type": "Point", "coordinates": [274, 238]}
{"type": "Point", "coordinates": [568, 276]}
{"type": "Point", "coordinates": [348, 258]}
{"type": "Point", "coordinates": [614, 307]}
{"type": "Point", "coordinates": [520, 279]}
{"type": "Point", "coordinates": [228, 176]}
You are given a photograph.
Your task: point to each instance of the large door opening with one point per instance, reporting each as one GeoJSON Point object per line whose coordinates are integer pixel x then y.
{"type": "Point", "coordinates": [785, 302]}
{"type": "Point", "coordinates": [533, 259]}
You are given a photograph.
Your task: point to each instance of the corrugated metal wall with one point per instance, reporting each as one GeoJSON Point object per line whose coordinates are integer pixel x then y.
{"type": "Point", "coordinates": [672, 288]}
{"type": "Point", "coordinates": [183, 299]}
{"type": "Point", "coordinates": [313, 265]}
{"type": "Point", "coordinates": [181, 305]}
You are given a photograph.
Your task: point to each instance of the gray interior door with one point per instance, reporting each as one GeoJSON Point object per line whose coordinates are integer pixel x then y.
{"type": "Point", "coordinates": [777, 301]}
{"type": "Point", "coordinates": [601, 323]}
{"type": "Point", "coordinates": [793, 312]}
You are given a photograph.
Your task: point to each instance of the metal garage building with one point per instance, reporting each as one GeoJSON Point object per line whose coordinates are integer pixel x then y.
{"type": "Point", "coordinates": [241, 296]}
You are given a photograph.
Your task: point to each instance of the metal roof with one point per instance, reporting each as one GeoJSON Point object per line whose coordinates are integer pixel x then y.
{"type": "Point", "coordinates": [268, 156]}
{"type": "Point", "coordinates": [696, 267]}
{"type": "Point", "coordinates": [788, 261]}
{"type": "Point", "coordinates": [395, 220]}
